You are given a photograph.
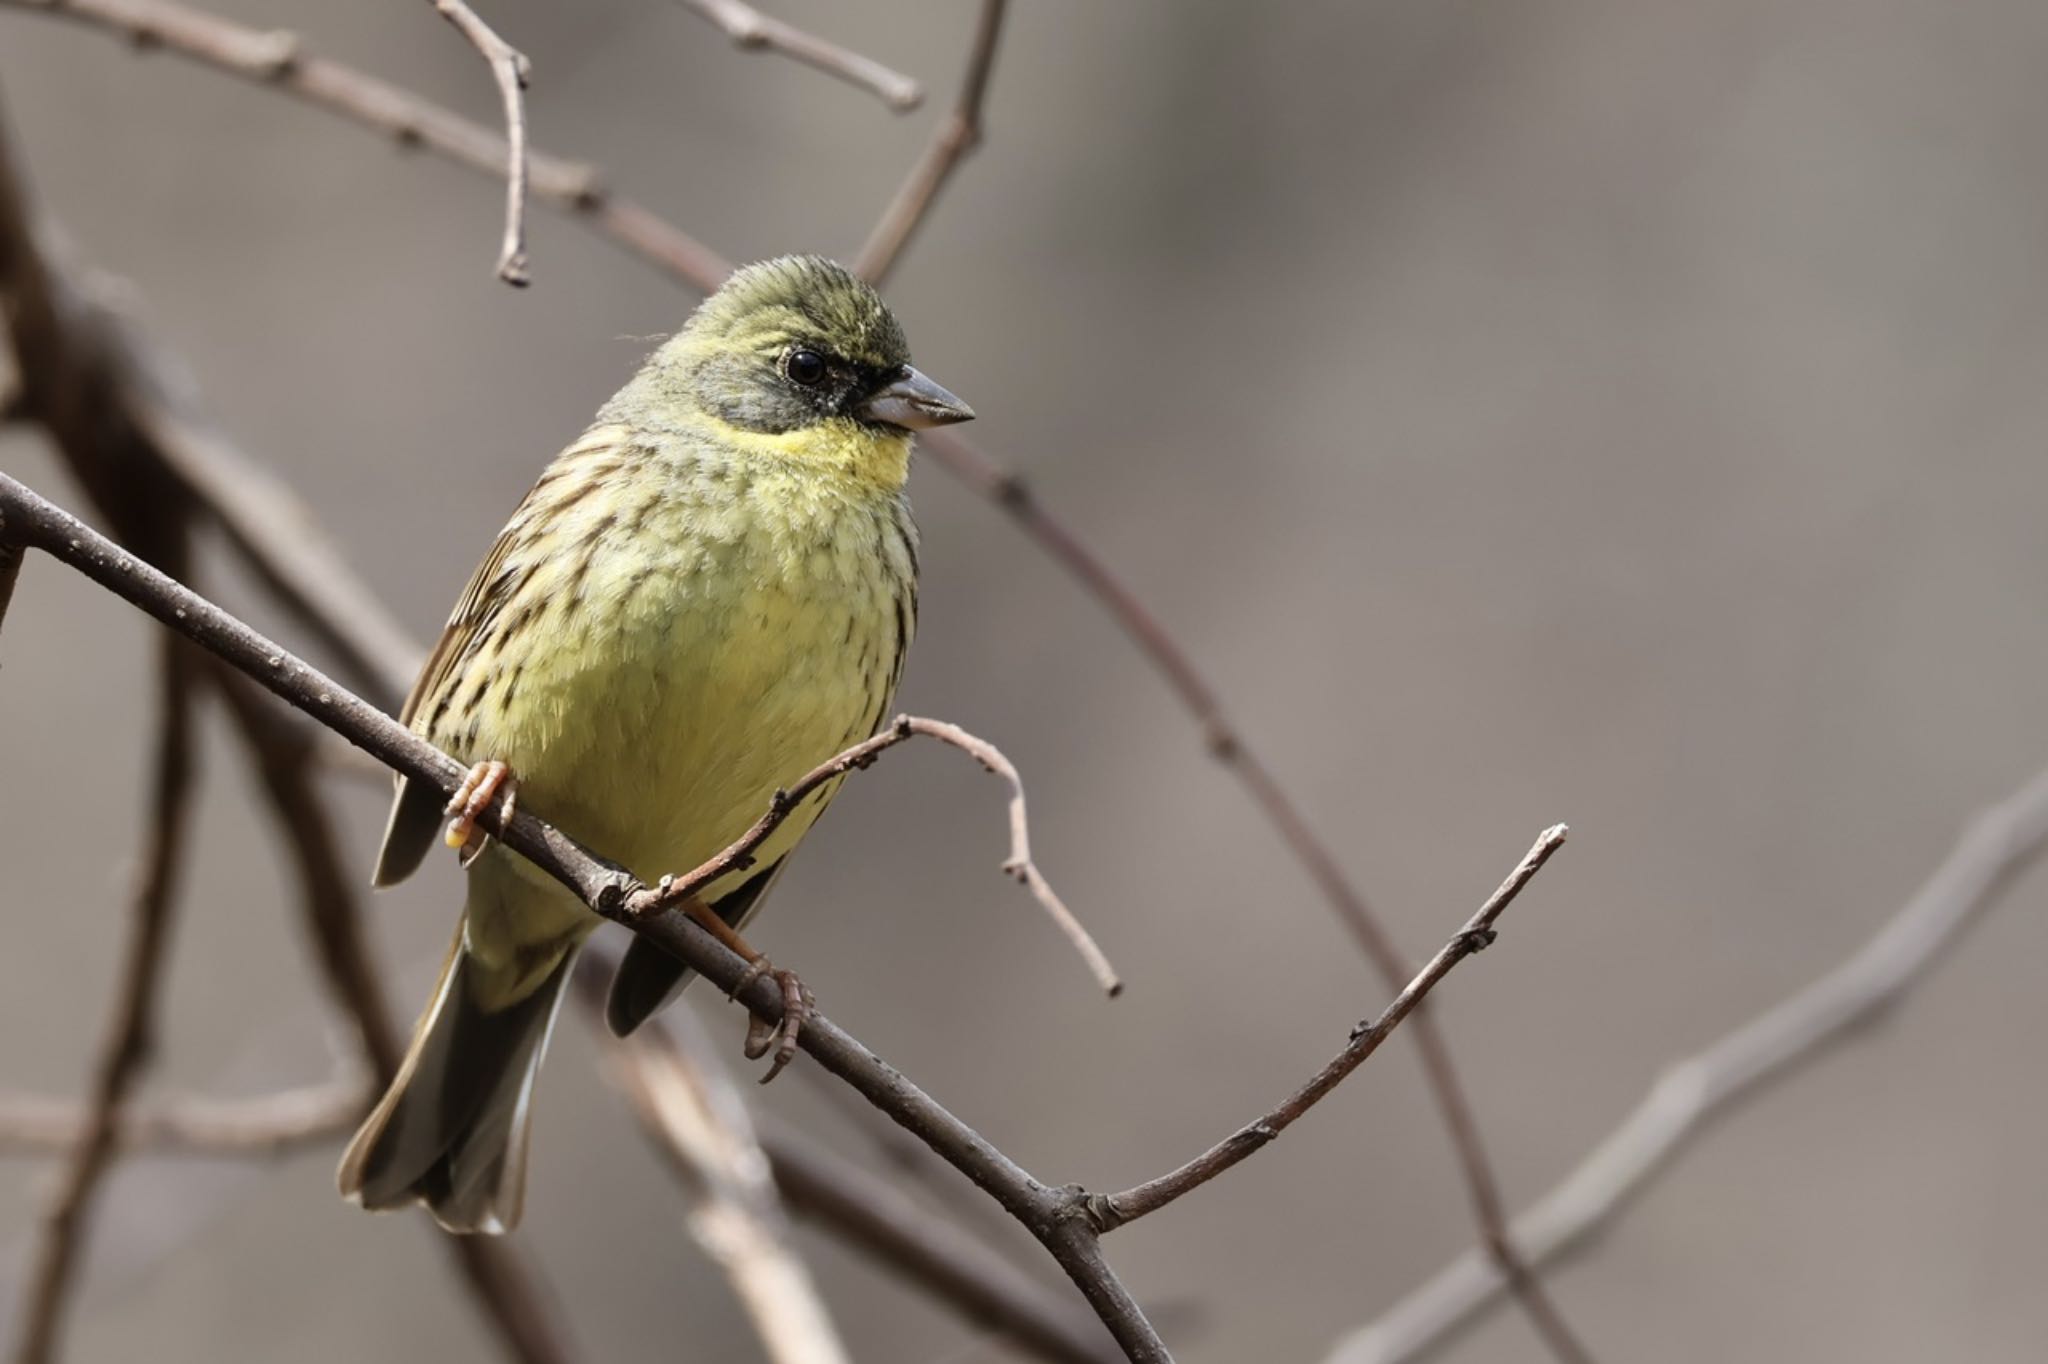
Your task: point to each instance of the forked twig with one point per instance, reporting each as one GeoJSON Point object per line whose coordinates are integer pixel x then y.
{"type": "Point", "coordinates": [738, 856]}
{"type": "Point", "coordinates": [754, 31]}
{"type": "Point", "coordinates": [510, 69]}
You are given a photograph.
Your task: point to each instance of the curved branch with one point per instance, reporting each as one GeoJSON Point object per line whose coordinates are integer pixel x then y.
{"type": "Point", "coordinates": [511, 70]}
{"type": "Point", "coordinates": [752, 30]}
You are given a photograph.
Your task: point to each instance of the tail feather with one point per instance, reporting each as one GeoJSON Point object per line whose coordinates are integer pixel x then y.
{"type": "Point", "coordinates": [451, 1130]}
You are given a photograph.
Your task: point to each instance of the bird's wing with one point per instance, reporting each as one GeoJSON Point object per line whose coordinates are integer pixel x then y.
{"type": "Point", "coordinates": [416, 809]}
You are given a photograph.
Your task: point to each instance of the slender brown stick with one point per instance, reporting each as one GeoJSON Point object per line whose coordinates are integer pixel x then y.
{"type": "Point", "coordinates": [738, 856]}
{"type": "Point", "coordinates": [957, 134]}
{"type": "Point", "coordinates": [1994, 849]}
{"type": "Point", "coordinates": [511, 70]}
{"type": "Point", "coordinates": [1054, 1215]}
{"type": "Point", "coordinates": [752, 30]}
{"type": "Point", "coordinates": [1114, 1210]}
{"type": "Point", "coordinates": [125, 1050]}
{"type": "Point", "coordinates": [263, 1125]}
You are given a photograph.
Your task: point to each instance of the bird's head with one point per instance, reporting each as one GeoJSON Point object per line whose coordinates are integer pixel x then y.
{"type": "Point", "coordinates": [800, 343]}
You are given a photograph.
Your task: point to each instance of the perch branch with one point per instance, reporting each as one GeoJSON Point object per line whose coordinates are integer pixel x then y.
{"type": "Point", "coordinates": [1114, 1210]}
{"type": "Point", "coordinates": [1053, 1215]}
{"type": "Point", "coordinates": [957, 134]}
{"type": "Point", "coordinates": [752, 30]}
{"type": "Point", "coordinates": [1993, 850]}
{"type": "Point", "coordinates": [510, 69]}
{"type": "Point", "coordinates": [125, 1050]}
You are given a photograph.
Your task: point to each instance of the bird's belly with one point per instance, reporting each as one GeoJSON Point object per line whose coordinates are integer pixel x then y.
{"type": "Point", "coordinates": [674, 712]}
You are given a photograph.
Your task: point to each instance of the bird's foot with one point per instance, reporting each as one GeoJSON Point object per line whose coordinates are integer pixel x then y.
{"type": "Point", "coordinates": [479, 788]}
{"type": "Point", "coordinates": [797, 1004]}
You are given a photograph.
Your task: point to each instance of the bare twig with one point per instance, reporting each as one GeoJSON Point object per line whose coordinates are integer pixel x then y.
{"type": "Point", "coordinates": [1993, 850]}
{"type": "Point", "coordinates": [957, 134]}
{"type": "Point", "coordinates": [1054, 1215]}
{"type": "Point", "coordinates": [752, 30]}
{"type": "Point", "coordinates": [510, 69]}
{"type": "Point", "coordinates": [1114, 1210]}
{"type": "Point", "coordinates": [264, 1125]}
{"type": "Point", "coordinates": [278, 60]}
{"type": "Point", "coordinates": [690, 1110]}
{"type": "Point", "coordinates": [674, 891]}
{"type": "Point", "coordinates": [125, 1050]}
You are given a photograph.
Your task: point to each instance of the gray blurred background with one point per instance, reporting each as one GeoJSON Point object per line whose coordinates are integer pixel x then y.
{"type": "Point", "coordinates": [1585, 410]}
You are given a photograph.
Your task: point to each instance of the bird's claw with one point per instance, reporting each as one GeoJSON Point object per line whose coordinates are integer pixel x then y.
{"type": "Point", "coordinates": [762, 1036]}
{"type": "Point", "coordinates": [480, 786]}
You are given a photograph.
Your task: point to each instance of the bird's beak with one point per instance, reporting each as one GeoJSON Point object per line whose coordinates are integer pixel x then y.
{"type": "Point", "coordinates": [913, 402]}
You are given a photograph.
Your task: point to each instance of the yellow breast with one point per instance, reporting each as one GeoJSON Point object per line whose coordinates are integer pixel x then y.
{"type": "Point", "coordinates": [707, 626]}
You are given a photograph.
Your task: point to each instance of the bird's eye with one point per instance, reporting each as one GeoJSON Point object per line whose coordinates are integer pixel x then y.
{"type": "Point", "coordinates": [805, 368]}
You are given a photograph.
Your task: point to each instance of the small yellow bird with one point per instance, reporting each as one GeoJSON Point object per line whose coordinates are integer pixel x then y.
{"type": "Point", "coordinates": [707, 595]}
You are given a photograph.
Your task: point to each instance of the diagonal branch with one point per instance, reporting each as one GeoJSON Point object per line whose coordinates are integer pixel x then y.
{"type": "Point", "coordinates": [1993, 850]}
{"type": "Point", "coordinates": [511, 70]}
{"type": "Point", "coordinates": [125, 1050]}
{"type": "Point", "coordinates": [754, 31]}
{"type": "Point", "coordinates": [957, 134]}
{"type": "Point", "coordinates": [1114, 1210]}
{"type": "Point", "coordinates": [1054, 1215]}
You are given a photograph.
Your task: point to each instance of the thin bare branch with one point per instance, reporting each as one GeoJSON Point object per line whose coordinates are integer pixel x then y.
{"type": "Point", "coordinates": [1994, 849]}
{"type": "Point", "coordinates": [1111, 1211]}
{"type": "Point", "coordinates": [278, 60]}
{"type": "Point", "coordinates": [1052, 1214]}
{"type": "Point", "coordinates": [957, 134]}
{"type": "Point", "coordinates": [676, 890]}
{"type": "Point", "coordinates": [262, 1126]}
{"type": "Point", "coordinates": [125, 1050]}
{"type": "Point", "coordinates": [754, 31]}
{"type": "Point", "coordinates": [689, 1109]}
{"type": "Point", "coordinates": [511, 70]}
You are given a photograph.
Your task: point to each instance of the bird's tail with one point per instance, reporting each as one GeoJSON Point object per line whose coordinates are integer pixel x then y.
{"type": "Point", "coordinates": [451, 1130]}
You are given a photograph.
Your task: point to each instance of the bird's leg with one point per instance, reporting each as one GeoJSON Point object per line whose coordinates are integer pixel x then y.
{"type": "Point", "coordinates": [479, 788]}
{"type": "Point", "coordinates": [796, 996]}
